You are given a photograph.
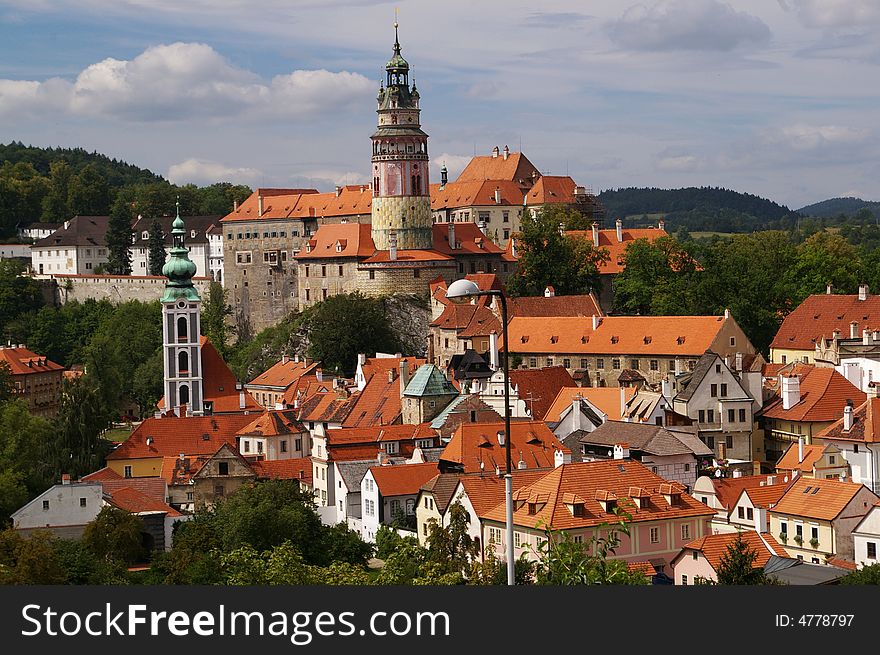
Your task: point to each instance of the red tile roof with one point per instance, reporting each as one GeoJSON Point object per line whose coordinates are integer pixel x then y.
{"type": "Point", "coordinates": [627, 335]}
{"type": "Point", "coordinates": [176, 471]}
{"type": "Point", "coordinates": [402, 479]}
{"type": "Point", "coordinates": [823, 393]}
{"type": "Point", "coordinates": [378, 402]}
{"type": "Point", "coordinates": [154, 487]}
{"type": "Point", "coordinates": [766, 497]}
{"type": "Point", "coordinates": [607, 399]}
{"type": "Point", "coordinates": [516, 167]}
{"type": "Point", "coordinates": [339, 240]}
{"type": "Point", "coordinates": [473, 443]}
{"type": "Point", "coordinates": [352, 200]}
{"type": "Point", "coordinates": [826, 504]}
{"type": "Point", "coordinates": [552, 495]}
{"type": "Point", "coordinates": [486, 491]}
{"type": "Point", "coordinates": [789, 460]}
{"type": "Point", "coordinates": [819, 315]}
{"type": "Point", "coordinates": [171, 435]}
{"type": "Point", "coordinates": [377, 434]}
{"type": "Point", "coordinates": [551, 189]}
{"type": "Point", "coordinates": [404, 256]}
{"type": "Point", "coordinates": [22, 361]}
{"type": "Point", "coordinates": [326, 407]}
{"type": "Point", "coordinates": [469, 240]}
{"type": "Point", "coordinates": [100, 475]}
{"type": "Point", "coordinates": [728, 490]}
{"type": "Point", "coordinates": [273, 423]}
{"type": "Point", "coordinates": [299, 468]}
{"type": "Point", "coordinates": [381, 365]}
{"type": "Point", "coordinates": [580, 305]}
{"type": "Point", "coordinates": [476, 194]}
{"type": "Point", "coordinates": [617, 249]}
{"type": "Point", "coordinates": [277, 203]}
{"type": "Point", "coordinates": [538, 387]}
{"type": "Point", "coordinates": [863, 428]}
{"type": "Point", "coordinates": [483, 322]}
{"type": "Point", "coordinates": [714, 546]}
{"type": "Point", "coordinates": [284, 373]}
{"type": "Point", "coordinates": [136, 502]}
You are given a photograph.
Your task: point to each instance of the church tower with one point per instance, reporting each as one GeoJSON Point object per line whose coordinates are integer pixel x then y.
{"type": "Point", "coordinates": [181, 344]}
{"type": "Point", "coordinates": [401, 201]}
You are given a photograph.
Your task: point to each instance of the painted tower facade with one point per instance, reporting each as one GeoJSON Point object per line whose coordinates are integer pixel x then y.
{"type": "Point", "coordinates": [181, 327]}
{"type": "Point", "coordinates": [401, 208]}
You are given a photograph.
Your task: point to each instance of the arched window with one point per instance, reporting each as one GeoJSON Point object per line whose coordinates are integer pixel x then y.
{"type": "Point", "coordinates": [183, 362]}
{"type": "Point", "coordinates": [410, 507]}
{"type": "Point", "coordinates": [418, 184]}
{"type": "Point", "coordinates": [184, 394]}
{"type": "Point", "coordinates": [412, 184]}
{"type": "Point", "coordinates": [182, 328]}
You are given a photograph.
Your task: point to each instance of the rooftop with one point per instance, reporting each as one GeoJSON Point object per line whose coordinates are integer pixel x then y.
{"type": "Point", "coordinates": [821, 314]}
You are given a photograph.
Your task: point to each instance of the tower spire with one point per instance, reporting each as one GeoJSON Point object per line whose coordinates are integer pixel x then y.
{"type": "Point", "coordinates": [396, 25]}
{"type": "Point", "coordinates": [179, 269]}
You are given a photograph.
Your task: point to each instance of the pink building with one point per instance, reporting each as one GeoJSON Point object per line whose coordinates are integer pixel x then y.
{"type": "Point", "coordinates": [702, 557]}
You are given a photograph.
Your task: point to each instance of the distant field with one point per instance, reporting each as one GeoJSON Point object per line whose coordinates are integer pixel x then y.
{"type": "Point", "coordinates": [117, 434]}
{"type": "Point", "coordinates": [652, 217]}
{"type": "Point", "coordinates": [697, 235]}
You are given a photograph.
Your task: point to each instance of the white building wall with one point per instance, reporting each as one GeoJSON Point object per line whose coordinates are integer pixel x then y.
{"type": "Point", "coordinates": [370, 509]}
{"type": "Point", "coordinates": [864, 465]}
{"type": "Point", "coordinates": [867, 532]}
{"type": "Point", "coordinates": [61, 505]}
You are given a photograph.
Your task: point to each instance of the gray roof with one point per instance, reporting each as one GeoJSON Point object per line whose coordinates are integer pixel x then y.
{"type": "Point", "coordinates": [797, 572]}
{"type": "Point", "coordinates": [704, 365]}
{"type": "Point", "coordinates": [429, 381]}
{"type": "Point", "coordinates": [198, 223]}
{"type": "Point", "coordinates": [80, 231]}
{"type": "Point", "coordinates": [652, 439]}
{"type": "Point", "coordinates": [353, 472]}
{"type": "Point", "coordinates": [442, 487]}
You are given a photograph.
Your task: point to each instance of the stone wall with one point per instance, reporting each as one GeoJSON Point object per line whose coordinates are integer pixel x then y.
{"type": "Point", "coordinates": [61, 289]}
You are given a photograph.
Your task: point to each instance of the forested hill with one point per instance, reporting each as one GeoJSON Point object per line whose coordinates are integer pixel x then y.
{"type": "Point", "coordinates": [115, 172]}
{"type": "Point", "coordinates": [696, 208]}
{"type": "Point", "coordinates": [837, 206]}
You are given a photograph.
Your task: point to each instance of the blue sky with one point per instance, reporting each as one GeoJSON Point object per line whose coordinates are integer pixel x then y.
{"type": "Point", "coordinates": [773, 97]}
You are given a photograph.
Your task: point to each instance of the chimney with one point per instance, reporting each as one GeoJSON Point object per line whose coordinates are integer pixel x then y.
{"type": "Point", "coordinates": [495, 152]}
{"type": "Point", "coordinates": [497, 196]}
{"type": "Point", "coordinates": [866, 337]}
{"type": "Point", "coordinates": [284, 358]}
{"type": "Point", "coordinates": [66, 224]}
{"type": "Point", "coordinates": [513, 248]}
{"type": "Point", "coordinates": [666, 387]}
{"type": "Point", "coordinates": [726, 312]}
{"type": "Point", "coordinates": [596, 322]}
{"type": "Point", "coordinates": [260, 207]}
{"type": "Point", "coordinates": [65, 478]}
{"type": "Point", "coordinates": [863, 292]}
{"type": "Point", "coordinates": [444, 177]}
{"type": "Point", "coordinates": [621, 451]}
{"type": "Point", "coordinates": [390, 375]}
{"type": "Point", "coordinates": [493, 351]}
{"type": "Point", "coordinates": [596, 235]}
{"type": "Point", "coordinates": [678, 366]}
{"type": "Point", "coordinates": [618, 225]}
{"type": "Point", "coordinates": [848, 416]}
{"type": "Point", "coordinates": [404, 375]}
{"type": "Point", "coordinates": [791, 391]}
{"type": "Point", "coordinates": [235, 205]}
{"type": "Point", "coordinates": [241, 401]}
{"type": "Point", "coordinates": [872, 390]}
{"type": "Point", "coordinates": [661, 225]}
{"type": "Point", "coordinates": [829, 289]}
{"type": "Point", "coordinates": [738, 362]}
{"type": "Point", "coordinates": [549, 292]}
{"type": "Point", "coordinates": [737, 473]}
{"type": "Point", "coordinates": [319, 374]}
{"type": "Point", "coordinates": [279, 405]}
{"type": "Point", "coordinates": [521, 464]}
{"type": "Point", "coordinates": [452, 236]}
{"type": "Point", "coordinates": [560, 458]}
{"type": "Point", "coordinates": [622, 401]}
{"type": "Point", "coordinates": [362, 359]}
{"type": "Point", "coordinates": [800, 449]}
{"type": "Point", "coordinates": [500, 436]}
{"type": "Point", "coordinates": [562, 228]}
{"type": "Point", "coordinates": [506, 152]}
{"type": "Point", "coordinates": [189, 410]}
{"type": "Point", "coordinates": [338, 191]}
{"type": "Point", "coordinates": [392, 246]}
{"type": "Point", "coordinates": [853, 330]}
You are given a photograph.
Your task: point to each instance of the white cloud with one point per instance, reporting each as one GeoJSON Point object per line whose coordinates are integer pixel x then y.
{"type": "Point", "coordinates": [204, 172]}
{"type": "Point", "coordinates": [184, 80]}
{"type": "Point", "coordinates": [804, 137]}
{"type": "Point", "coordinates": [325, 179]}
{"type": "Point", "coordinates": [454, 165]}
{"type": "Point", "coordinates": [834, 14]}
{"type": "Point", "coordinates": [687, 25]}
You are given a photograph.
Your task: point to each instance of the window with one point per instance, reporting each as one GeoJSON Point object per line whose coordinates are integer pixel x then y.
{"type": "Point", "coordinates": [549, 361]}
{"type": "Point", "coordinates": [655, 470]}
{"type": "Point", "coordinates": [742, 416]}
{"type": "Point", "coordinates": [223, 468]}
{"type": "Point", "coordinates": [259, 446]}
{"type": "Point", "coordinates": [533, 362]}
{"type": "Point", "coordinates": [710, 415]}
{"type": "Point", "coordinates": [506, 235]}
{"type": "Point", "coordinates": [723, 390]}
{"type": "Point", "coordinates": [686, 531]}
{"type": "Point", "coordinates": [799, 530]}
{"type": "Point", "coordinates": [855, 447]}
{"type": "Point", "coordinates": [729, 439]}
{"type": "Point", "coordinates": [395, 508]}
{"type": "Point", "coordinates": [82, 502]}
{"type": "Point", "coordinates": [750, 513]}
{"type": "Point", "coordinates": [731, 415]}
{"type": "Point", "coordinates": [567, 364]}
{"type": "Point", "coordinates": [684, 578]}
{"type": "Point", "coordinates": [324, 271]}
{"type": "Point", "coordinates": [615, 364]}
{"type": "Point", "coordinates": [687, 467]}
{"type": "Point", "coordinates": [655, 365]}
{"type": "Point", "coordinates": [704, 500]}
{"type": "Point", "coordinates": [710, 441]}
{"type": "Point", "coordinates": [45, 505]}
{"type": "Point", "coordinates": [713, 390]}
{"type": "Point", "coordinates": [189, 495]}
{"type": "Point", "coordinates": [495, 535]}
{"type": "Point", "coordinates": [814, 560]}
{"type": "Point", "coordinates": [340, 271]}
{"type": "Point", "coordinates": [655, 535]}
{"type": "Point", "coordinates": [578, 539]}
{"type": "Point", "coordinates": [702, 416]}
{"type": "Point", "coordinates": [517, 540]}
{"type": "Point", "coordinates": [783, 527]}
{"type": "Point", "coordinates": [505, 216]}
{"type": "Point", "coordinates": [127, 471]}
{"type": "Point", "coordinates": [247, 445]}
{"type": "Point", "coordinates": [600, 363]}
{"type": "Point", "coordinates": [872, 550]}
{"type": "Point", "coordinates": [741, 512]}
{"type": "Point", "coordinates": [831, 459]}
{"type": "Point", "coordinates": [283, 446]}
{"type": "Point", "coordinates": [585, 364]}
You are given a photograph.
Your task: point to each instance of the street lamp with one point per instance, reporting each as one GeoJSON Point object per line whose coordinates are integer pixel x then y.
{"type": "Point", "coordinates": [458, 292]}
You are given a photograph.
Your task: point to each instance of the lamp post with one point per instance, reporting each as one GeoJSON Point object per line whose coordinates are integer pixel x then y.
{"type": "Point", "coordinates": [457, 292]}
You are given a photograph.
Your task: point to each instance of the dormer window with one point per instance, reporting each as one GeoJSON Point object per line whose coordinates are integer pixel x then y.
{"type": "Point", "coordinates": [679, 340]}
{"type": "Point", "coordinates": [585, 339]}
{"type": "Point", "coordinates": [640, 497]}
{"type": "Point", "coordinates": [647, 340]}
{"type": "Point", "coordinates": [607, 499]}
{"type": "Point", "coordinates": [615, 339]}
{"type": "Point", "coordinates": [671, 493]}
{"type": "Point", "coordinates": [145, 235]}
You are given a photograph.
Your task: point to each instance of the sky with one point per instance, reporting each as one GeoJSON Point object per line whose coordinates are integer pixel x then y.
{"type": "Point", "coordinates": [773, 97]}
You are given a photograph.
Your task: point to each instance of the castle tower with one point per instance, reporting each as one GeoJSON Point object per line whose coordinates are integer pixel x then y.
{"type": "Point", "coordinates": [181, 328]}
{"type": "Point", "coordinates": [401, 201]}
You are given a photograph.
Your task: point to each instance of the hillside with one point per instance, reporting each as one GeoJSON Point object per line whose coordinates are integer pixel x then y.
{"type": "Point", "coordinates": [837, 206]}
{"type": "Point", "coordinates": [696, 208]}
{"type": "Point", "coordinates": [116, 173]}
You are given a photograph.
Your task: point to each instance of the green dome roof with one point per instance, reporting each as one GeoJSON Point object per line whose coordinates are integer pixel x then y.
{"type": "Point", "coordinates": [179, 269]}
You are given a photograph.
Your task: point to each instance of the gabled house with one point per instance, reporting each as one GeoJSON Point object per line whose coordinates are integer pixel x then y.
{"type": "Point", "coordinates": [388, 496]}
{"type": "Point", "coordinates": [701, 558]}
{"type": "Point", "coordinates": [866, 537]}
{"type": "Point", "coordinates": [815, 518]}
{"type": "Point", "coordinates": [480, 447]}
{"type": "Point", "coordinates": [586, 408]}
{"type": "Point", "coordinates": [464, 409]}
{"type": "Point", "coordinates": [275, 434]}
{"type": "Point", "coordinates": [814, 461]}
{"type": "Point", "coordinates": [857, 438]}
{"type": "Point", "coordinates": [725, 496]}
{"type": "Point", "coordinates": [221, 474]}
{"type": "Point", "coordinates": [432, 503]}
{"type": "Point", "coordinates": [425, 395]}
{"type": "Point", "coordinates": [34, 378]}
{"type": "Point", "coordinates": [270, 387]}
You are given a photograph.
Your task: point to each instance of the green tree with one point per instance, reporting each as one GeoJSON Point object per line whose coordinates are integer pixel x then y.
{"type": "Point", "coordinates": [55, 205]}
{"type": "Point", "coordinates": [737, 565]}
{"type": "Point", "coordinates": [215, 312]}
{"type": "Point", "coordinates": [88, 193]}
{"type": "Point", "coordinates": [825, 258]}
{"type": "Point", "coordinates": [156, 248]}
{"type": "Point", "coordinates": [452, 546]}
{"type": "Point", "coordinates": [549, 257]}
{"type": "Point", "coordinates": [867, 575]}
{"type": "Point", "coordinates": [23, 466]}
{"type": "Point", "coordinates": [78, 447]}
{"type": "Point", "coordinates": [19, 293]}
{"type": "Point", "coordinates": [281, 565]}
{"type": "Point", "coordinates": [347, 324]}
{"type": "Point", "coordinates": [114, 536]}
{"type": "Point", "coordinates": [149, 378]}
{"type": "Point", "coordinates": [658, 279]}
{"type": "Point", "coordinates": [119, 238]}
{"type": "Point", "coordinates": [30, 561]}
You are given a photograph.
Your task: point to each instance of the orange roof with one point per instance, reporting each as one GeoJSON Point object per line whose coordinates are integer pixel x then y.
{"type": "Point", "coordinates": [617, 249]}
{"type": "Point", "coordinates": [580, 305]}
{"type": "Point", "coordinates": [714, 546]}
{"type": "Point", "coordinates": [348, 200]}
{"type": "Point", "coordinates": [455, 316]}
{"type": "Point", "coordinates": [645, 568]}
{"type": "Point", "coordinates": [627, 335]}
{"type": "Point", "coordinates": [379, 401]}
{"type": "Point", "coordinates": [469, 240]}
{"type": "Point", "coordinates": [817, 499]}
{"type": "Point", "coordinates": [273, 423]}
{"type": "Point", "coordinates": [381, 365]}
{"type": "Point", "coordinates": [403, 256]}
{"type": "Point", "coordinates": [766, 497]}
{"type": "Point", "coordinates": [100, 475]}
{"type": "Point", "coordinates": [550, 189]}
{"type": "Point", "coordinates": [476, 193]}
{"type": "Point", "coordinates": [136, 502]}
{"type": "Point", "coordinates": [863, 428]}
{"type": "Point", "coordinates": [475, 443]}
{"type": "Point", "coordinates": [824, 393]}
{"type": "Point", "coordinates": [283, 373]}
{"type": "Point", "coordinates": [789, 460]}
{"type": "Point", "coordinates": [299, 468]}
{"type": "Point", "coordinates": [547, 501]}
{"type": "Point", "coordinates": [483, 322]}
{"type": "Point", "coordinates": [171, 435]}
{"type": "Point", "coordinates": [376, 434]}
{"type": "Point", "coordinates": [485, 491]}
{"type": "Point", "coordinates": [820, 314]}
{"type": "Point", "coordinates": [607, 399]}
{"type": "Point", "coordinates": [326, 407]}
{"type": "Point", "coordinates": [277, 203]}
{"type": "Point", "coordinates": [176, 471]}
{"type": "Point", "coordinates": [22, 361]}
{"type": "Point", "coordinates": [537, 387]}
{"type": "Point", "coordinates": [403, 479]}
{"type": "Point", "coordinates": [339, 240]}
{"type": "Point", "coordinates": [728, 490]}
{"type": "Point", "coordinates": [516, 167]}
